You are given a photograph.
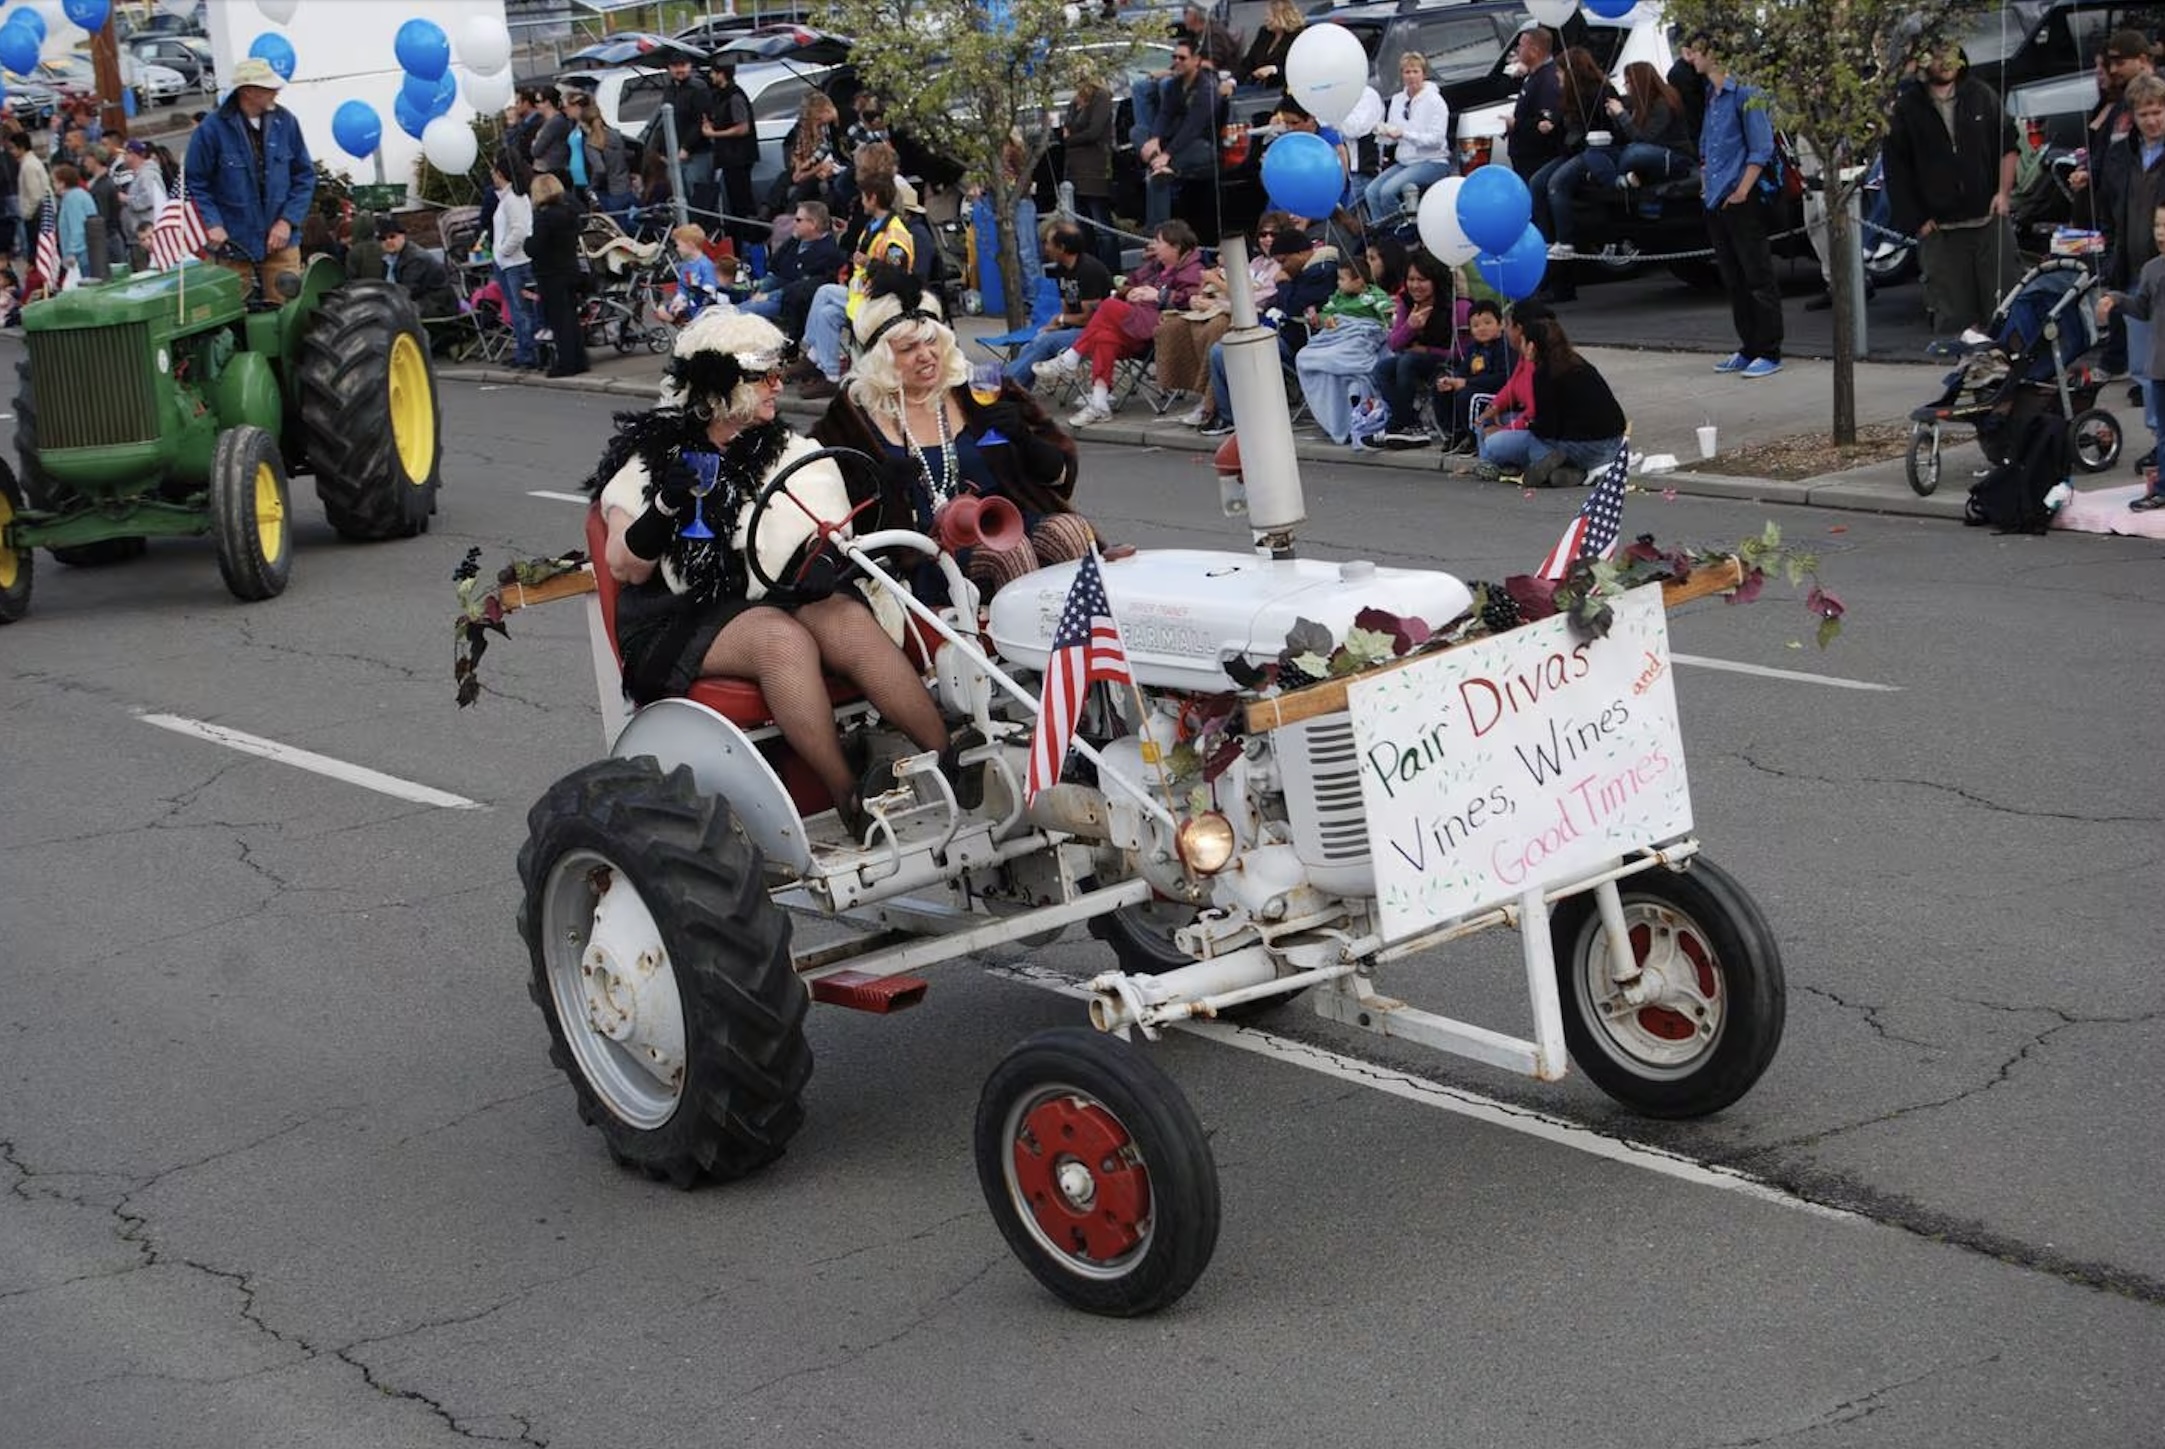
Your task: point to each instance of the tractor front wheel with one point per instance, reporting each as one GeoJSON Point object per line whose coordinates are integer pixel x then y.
{"type": "Point", "coordinates": [249, 504]}
{"type": "Point", "coordinates": [368, 404]}
{"type": "Point", "coordinates": [15, 563]}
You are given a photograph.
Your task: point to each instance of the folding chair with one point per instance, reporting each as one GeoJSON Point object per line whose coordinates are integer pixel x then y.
{"type": "Point", "coordinates": [1044, 306]}
{"type": "Point", "coordinates": [1138, 374]}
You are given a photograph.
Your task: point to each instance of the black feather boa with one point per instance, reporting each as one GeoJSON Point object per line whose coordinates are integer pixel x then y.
{"type": "Point", "coordinates": [657, 437]}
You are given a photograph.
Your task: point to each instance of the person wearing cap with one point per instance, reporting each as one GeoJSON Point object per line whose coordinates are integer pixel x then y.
{"type": "Point", "coordinates": [250, 177]}
{"type": "Point", "coordinates": [693, 102]}
{"type": "Point", "coordinates": [146, 187]}
{"type": "Point", "coordinates": [735, 145]}
{"type": "Point", "coordinates": [1951, 155]}
{"type": "Point", "coordinates": [424, 278]}
{"type": "Point", "coordinates": [689, 608]}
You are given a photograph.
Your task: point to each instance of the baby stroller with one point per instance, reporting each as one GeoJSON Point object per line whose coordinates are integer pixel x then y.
{"type": "Point", "coordinates": [627, 279]}
{"type": "Point", "coordinates": [2030, 365]}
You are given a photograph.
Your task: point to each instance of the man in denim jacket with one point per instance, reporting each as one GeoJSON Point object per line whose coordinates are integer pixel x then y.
{"type": "Point", "coordinates": [249, 174]}
{"type": "Point", "coordinates": [1736, 149]}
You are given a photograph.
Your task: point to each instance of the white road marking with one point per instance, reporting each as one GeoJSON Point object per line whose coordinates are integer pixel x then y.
{"type": "Point", "coordinates": [579, 498]}
{"type": "Point", "coordinates": [1732, 667]}
{"type": "Point", "coordinates": [1427, 1093]}
{"type": "Point", "coordinates": [309, 760]}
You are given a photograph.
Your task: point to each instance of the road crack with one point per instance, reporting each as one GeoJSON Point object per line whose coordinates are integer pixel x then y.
{"type": "Point", "coordinates": [1863, 1406]}
{"type": "Point", "coordinates": [1968, 796]}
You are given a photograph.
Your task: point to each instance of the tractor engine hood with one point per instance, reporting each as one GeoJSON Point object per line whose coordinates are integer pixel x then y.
{"type": "Point", "coordinates": [1184, 612]}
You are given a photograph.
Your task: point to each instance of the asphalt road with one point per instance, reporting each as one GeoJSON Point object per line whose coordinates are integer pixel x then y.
{"type": "Point", "coordinates": [283, 1162]}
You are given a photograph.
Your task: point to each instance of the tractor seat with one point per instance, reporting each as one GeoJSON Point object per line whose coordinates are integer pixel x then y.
{"type": "Point", "coordinates": [737, 700]}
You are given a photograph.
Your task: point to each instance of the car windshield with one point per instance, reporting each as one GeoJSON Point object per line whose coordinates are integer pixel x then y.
{"type": "Point", "coordinates": [2001, 33]}
{"type": "Point", "coordinates": [1458, 45]}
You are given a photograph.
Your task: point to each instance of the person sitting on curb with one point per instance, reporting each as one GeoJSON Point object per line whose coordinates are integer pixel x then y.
{"type": "Point", "coordinates": [1577, 425]}
{"type": "Point", "coordinates": [1483, 364]}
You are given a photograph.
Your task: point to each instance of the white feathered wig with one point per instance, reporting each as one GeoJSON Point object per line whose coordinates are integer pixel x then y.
{"type": "Point", "coordinates": [717, 361]}
{"type": "Point", "coordinates": [898, 312]}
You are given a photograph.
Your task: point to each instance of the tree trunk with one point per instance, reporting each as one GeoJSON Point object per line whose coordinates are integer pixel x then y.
{"type": "Point", "coordinates": [1844, 281]}
{"type": "Point", "coordinates": [1014, 292]}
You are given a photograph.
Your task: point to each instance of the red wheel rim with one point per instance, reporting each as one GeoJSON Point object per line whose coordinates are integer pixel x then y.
{"type": "Point", "coordinates": [1077, 1173]}
{"type": "Point", "coordinates": [1662, 1021]}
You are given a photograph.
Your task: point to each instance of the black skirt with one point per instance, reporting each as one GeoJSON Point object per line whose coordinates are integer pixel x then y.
{"type": "Point", "coordinates": [663, 637]}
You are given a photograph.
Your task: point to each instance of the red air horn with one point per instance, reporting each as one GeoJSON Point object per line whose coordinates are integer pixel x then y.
{"type": "Point", "coordinates": [974, 522]}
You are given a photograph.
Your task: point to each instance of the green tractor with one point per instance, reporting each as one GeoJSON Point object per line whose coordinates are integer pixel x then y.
{"type": "Point", "coordinates": [169, 404]}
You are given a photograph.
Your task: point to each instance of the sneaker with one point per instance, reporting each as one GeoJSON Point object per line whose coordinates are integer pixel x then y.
{"type": "Point", "coordinates": [2148, 503]}
{"type": "Point", "coordinates": [2147, 460]}
{"type": "Point", "coordinates": [1487, 472]}
{"type": "Point", "coordinates": [1195, 417]}
{"type": "Point", "coordinates": [1763, 367]}
{"type": "Point", "coordinates": [1217, 428]}
{"type": "Point", "coordinates": [1405, 438]}
{"type": "Point", "coordinates": [1087, 414]}
{"type": "Point", "coordinates": [1052, 367]}
{"type": "Point", "coordinates": [1734, 362]}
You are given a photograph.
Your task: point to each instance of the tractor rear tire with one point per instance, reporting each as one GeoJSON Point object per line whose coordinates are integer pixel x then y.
{"type": "Point", "coordinates": [368, 406]}
{"type": "Point", "coordinates": [250, 512]}
{"type": "Point", "coordinates": [15, 564]}
{"type": "Point", "coordinates": [706, 975]}
{"type": "Point", "coordinates": [44, 493]}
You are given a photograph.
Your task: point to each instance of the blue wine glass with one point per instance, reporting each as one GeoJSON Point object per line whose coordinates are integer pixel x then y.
{"type": "Point", "coordinates": [706, 468]}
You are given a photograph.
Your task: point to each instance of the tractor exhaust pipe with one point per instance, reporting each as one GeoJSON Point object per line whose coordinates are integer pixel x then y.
{"type": "Point", "coordinates": [1256, 378]}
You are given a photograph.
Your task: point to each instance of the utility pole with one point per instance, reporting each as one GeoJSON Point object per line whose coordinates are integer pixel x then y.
{"type": "Point", "coordinates": [105, 56]}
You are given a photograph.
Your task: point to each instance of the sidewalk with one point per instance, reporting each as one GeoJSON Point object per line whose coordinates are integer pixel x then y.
{"type": "Point", "coordinates": [1669, 396]}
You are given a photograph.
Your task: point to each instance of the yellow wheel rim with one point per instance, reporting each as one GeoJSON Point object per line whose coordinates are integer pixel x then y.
{"type": "Point", "coordinates": [270, 514]}
{"type": "Point", "coordinates": [413, 409]}
{"type": "Point", "coordinates": [10, 564]}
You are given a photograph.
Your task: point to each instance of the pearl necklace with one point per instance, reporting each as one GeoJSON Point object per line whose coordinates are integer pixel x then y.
{"type": "Point", "coordinates": [942, 488]}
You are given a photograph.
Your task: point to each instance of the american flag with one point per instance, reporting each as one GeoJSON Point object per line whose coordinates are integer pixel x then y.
{"type": "Point", "coordinates": [177, 233]}
{"type": "Point", "coordinates": [1086, 650]}
{"type": "Point", "coordinates": [1600, 519]}
{"type": "Point", "coordinates": [48, 253]}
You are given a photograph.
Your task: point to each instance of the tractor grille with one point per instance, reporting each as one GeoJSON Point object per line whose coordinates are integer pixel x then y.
{"type": "Point", "coordinates": [1322, 773]}
{"type": "Point", "coordinates": [93, 386]}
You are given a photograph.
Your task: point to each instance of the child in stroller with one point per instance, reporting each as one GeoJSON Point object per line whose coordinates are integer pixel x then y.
{"type": "Point", "coordinates": [2029, 362]}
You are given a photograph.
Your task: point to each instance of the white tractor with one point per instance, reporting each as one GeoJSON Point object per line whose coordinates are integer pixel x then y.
{"type": "Point", "coordinates": [1320, 837]}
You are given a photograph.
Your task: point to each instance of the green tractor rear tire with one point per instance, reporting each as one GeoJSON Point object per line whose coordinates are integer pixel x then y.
{"type": "Point", "coordinates": [250, 508]}
{"type": "Point", "coordinates": [44, 493]}
{"type": "Point", "coordinates": [15, 564]}
{"type": "Point", "coordinates": [368, 404]}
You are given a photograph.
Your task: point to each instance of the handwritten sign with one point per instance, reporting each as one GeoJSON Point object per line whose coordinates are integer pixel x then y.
{"type": "Point", "coordinates": [1518, 761]}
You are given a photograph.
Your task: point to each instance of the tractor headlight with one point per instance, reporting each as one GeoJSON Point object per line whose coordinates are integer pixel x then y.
{"type": "Point", "coordinates": [1205, 842]}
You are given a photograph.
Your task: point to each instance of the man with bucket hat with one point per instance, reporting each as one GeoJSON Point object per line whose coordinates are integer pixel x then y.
{"type": "Point", "coordinates": [250, 176]}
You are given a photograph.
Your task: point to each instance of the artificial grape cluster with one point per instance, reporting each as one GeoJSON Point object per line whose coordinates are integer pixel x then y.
{"type": "Point", "coordinates": [1499, 611]}
{"type": "Point", "coordinates": [469, 567]}
{"type": "Point", "coordinates": [1292, 676]}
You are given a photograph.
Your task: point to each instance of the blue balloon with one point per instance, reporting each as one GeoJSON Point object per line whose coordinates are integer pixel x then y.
{"type": "Point", "coordinates": [90, 14]}
{"type": "Point", "coordinates": [1609, 9]}
{"type": "Point", "coordinates": [423, 49]}
{"type": "Point", "coordinates": [1494, 207]}
{"type": "Point", "coordinates": [357, 129]}
{"type": "Point", "coordinates": [29, 20]}
{"type": "Point", "coordinates": [431, 98]}
{"type": "Point", "coordinates": [1301, 175]}
{"type": "Point", "coordinates": [1519, 269]}
{"type": "Point", "coordinates": [18, 48]}
{"type": "Point", "coordinates": [411, 119]}
{"type": "Point", "coordinates": [277, 50]}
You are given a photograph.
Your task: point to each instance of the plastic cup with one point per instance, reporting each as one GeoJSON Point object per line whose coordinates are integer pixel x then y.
{"type": "Point", "coordinates": [1706, 441]}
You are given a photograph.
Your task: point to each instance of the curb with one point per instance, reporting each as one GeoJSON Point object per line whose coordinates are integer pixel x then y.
{"type": "Point", "coordinates": [1853, 491]}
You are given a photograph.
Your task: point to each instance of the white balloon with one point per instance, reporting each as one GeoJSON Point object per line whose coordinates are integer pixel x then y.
{"type": "Point", "coordinates": [1326, 70]}
{"type": "Point", "coordinates": [1552, 13]}
{"type": "Point", "coordinates": [278, 11]}
{"type": "Point", "coordinates": [1438, 223]}
{"type": "Point", "coordinates": [488, 94]}
{"type": "Point", "coordinates": [484, 45]}
{"type": "Point", "coordinates": [449, 146]}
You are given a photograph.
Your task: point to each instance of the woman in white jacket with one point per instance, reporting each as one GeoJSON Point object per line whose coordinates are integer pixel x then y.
{"type": "Point", "coordinates": [509, 227]}
{"type": "Point", "coordinates": [1417, 126]}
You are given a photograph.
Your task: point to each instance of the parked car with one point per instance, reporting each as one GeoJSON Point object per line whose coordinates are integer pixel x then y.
{"type": "Point", "coordinates": [155, 83]}
{"type": "Point", "coordinates": [797, 43]}
{"type": "Point", "coordinates": [189, 55]}
{"type": "Point", "coordinates": [714, 33]}
{"type": "Point", "coordinates": [622, 48]}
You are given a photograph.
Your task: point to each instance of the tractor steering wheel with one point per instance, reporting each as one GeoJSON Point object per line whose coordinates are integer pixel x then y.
{"type": "Point", "coordinates": [779, 483]}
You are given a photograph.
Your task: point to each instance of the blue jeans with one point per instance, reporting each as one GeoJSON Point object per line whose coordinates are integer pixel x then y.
{"type": "Point", "coordinates": [1047, 345]}
{"type": "Point", "coordinates": [1146, 92]}
{"type": "Point", "coordinates": [1579, 452]}
{"type": "Point", "coordinates": [1508, 448]}
{"type": "Point", "coordinates": [1381, 197]}
{"type": "Point", "coordinates": [767, 305]}
{"type": "Point", "coordinates": [514, 281]}
{"type": "Point", "coordinates": [823, 329]}
{"type": "Point", "coordinates": [1401, 377]}
{"type": "Point", "coordinates": [1221, 391]}
{"type": "Point", "coordinates": [1556, 183]}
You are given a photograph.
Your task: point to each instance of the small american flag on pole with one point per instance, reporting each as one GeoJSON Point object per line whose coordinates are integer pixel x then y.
{"type": "Point", "coordinates": [48, 253]}
{"type": "Point", "coordinates": [1600, 519]}
{"type": "Point", "coordinates": [1086, 650]}
{"type": "Point", "coordinates": [176, 234]}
